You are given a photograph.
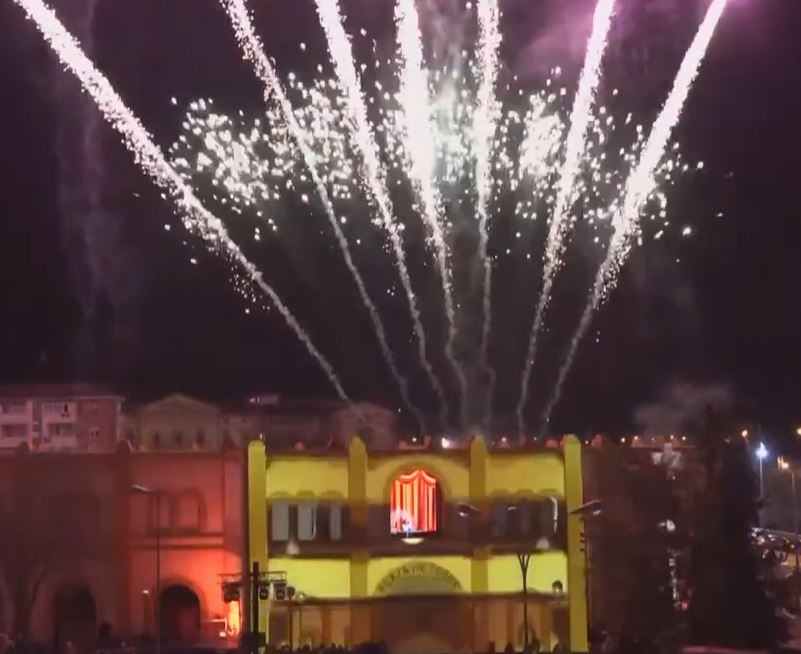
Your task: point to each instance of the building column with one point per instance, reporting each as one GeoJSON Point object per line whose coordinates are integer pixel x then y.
{"type": "Point", "coordinates": [360, 615]}
{"type": "Point", "coordinates": [576, 572]}
{"type": "Point", "coordinates": [257, 528]}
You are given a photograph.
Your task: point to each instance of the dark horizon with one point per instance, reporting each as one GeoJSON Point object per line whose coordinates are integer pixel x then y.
{"type": "Point", "coordinates": [124, 306]}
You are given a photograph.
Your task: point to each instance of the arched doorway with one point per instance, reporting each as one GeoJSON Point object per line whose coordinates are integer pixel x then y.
{"type": "Point", "coordinates": [179, 614]}
{"type": "Point", "coordinates": [422, 611]}
{"type": "Point", "coordinates": [74, 618]}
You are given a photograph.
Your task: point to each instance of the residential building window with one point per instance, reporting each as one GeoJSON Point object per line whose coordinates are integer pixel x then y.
{"type": "Point", "coordinates": [12, 407]}
{"type": "Point", "coordinates": [60, 430]}
{"type": "Point", "coordinates": [14, 431]}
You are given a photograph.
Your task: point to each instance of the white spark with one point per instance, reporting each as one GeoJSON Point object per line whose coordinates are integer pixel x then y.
{"type": "Point", "coordinates": [149, 157]}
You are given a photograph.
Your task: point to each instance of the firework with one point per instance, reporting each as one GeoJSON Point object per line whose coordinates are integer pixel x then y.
{"type": "Point", "coordinates": [253, 164]}
{"type": "Point", "coordinates": [468, 146]}
{"type": "Point", "coordinates": [196, 218]}
{"type": "Point", "coordinates": [562, 220]}
{"type": "Point", "coordinates": [374, 173]}
{"type": "Point", "coordinates": [419, 143]}
{"type": "Point", "coordinates": [639, 187]}
{"type": "Point", "coordinates": [253, 51]}
{"type": "Point", "coordinates": [484, 127]}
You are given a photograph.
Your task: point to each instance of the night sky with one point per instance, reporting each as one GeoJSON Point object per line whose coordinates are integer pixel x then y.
{"type": "Point", "coordinates": [110, 296]}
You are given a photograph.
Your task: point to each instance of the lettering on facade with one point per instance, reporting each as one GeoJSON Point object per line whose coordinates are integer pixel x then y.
{"type": "Point", "coordinates": [418, 578]}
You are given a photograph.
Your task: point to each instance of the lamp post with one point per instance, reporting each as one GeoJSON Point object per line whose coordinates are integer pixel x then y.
{"type": "Point", "coordinates": [468, 511]}
{"type": "Point", "coordinates": [785, 466]}
{"type": "Point", "coordinates": [145, 490]}
{"type": "Point", "coordinates": [761, 454]}
{"type": "Point", "coordinates": [588, 510]}
{"type": "Point", "coordinates": [523, 558]}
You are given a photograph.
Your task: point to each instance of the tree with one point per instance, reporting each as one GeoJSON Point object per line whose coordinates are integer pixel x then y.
{"type": "Point", "coordinates": [630, 547]}
{"type": "Point", "coordinates": [41, 535]}
{"type": "Point", "coordinates": [729, 582]}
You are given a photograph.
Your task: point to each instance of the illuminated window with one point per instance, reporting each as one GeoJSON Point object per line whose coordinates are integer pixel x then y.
{"type": "Point", "coordinates": [414, 504]}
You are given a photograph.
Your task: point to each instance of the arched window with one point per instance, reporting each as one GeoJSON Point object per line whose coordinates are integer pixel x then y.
{"type": "Point", "coordinates": [414, 504]}
{"type": "Point", "coordinates": [160, 507]}
{"type": "Point", "coordinates": [190, 511]}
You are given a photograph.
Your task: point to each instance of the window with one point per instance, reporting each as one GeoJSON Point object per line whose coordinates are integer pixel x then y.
{"type": "Point", "coordinates": [178, 438]}
{"type": "Point", "coordinates": [161, 509]}
{"type": "Point", "coordinates": [60, 430]}
{"type": "Point", "coordinates": [94, 433]}
{"type": "Point", "coordinates": [500, 518]}
{"type": "Point", "coordinates": [335, 521]}
{"type": "Point", "coordinates": [279, 521]}
{"type": "Point", "coordinates": [200, 438]}
{"type": "Point", "coordinates": [306, 521]}
{"type": "Point", "coordinates": [14, 431]}
{"type": "Point", "coordinates": [529, 518]}
{"type": "Point", "coordinates": [414, 504]}
{"type": "Point", "coordinates": [12, 407]}
{"type": "Point", "coordinates": [189, 511]}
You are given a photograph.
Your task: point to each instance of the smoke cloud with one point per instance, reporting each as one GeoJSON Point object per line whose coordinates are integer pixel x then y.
{"type": "Point", "coordinates": [91, 236]}
{"type": "Point", "coordinates": [640, 29]}
{"type": "Point", "coordinates": [682, 407]}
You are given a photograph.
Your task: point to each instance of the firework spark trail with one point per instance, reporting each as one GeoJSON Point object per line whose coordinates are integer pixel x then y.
{"type": "Point", "coordinates": [485, 122]}
{"type": "Point", "coordinates": [342, 57]}
{"type": "Point", "coordinates": [563, 220]}
{"type": "Point", "coordinates": [414, 97]}
{"type": "Point", "coordinates": [253, 51]}
{"type": "Point", "coordinates": [639, 186]}
{"type": "Point", "coordinates": [149, 157]}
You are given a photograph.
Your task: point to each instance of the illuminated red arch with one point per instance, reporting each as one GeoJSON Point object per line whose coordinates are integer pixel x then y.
{"type": "Point", "coordinates": [414, 503]}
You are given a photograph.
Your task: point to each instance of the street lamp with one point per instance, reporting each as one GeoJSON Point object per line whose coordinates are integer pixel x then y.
{"type": "Point", "coordinates": [589, 509]}
{"type": "Point", "coordinates": [139, 489]}
{"type": "Point", "coordinates": [468, 511]}
{"type": "Point", "coordinates": [785, 466]}
{"type": "Point", "coordinates": [761, 454]}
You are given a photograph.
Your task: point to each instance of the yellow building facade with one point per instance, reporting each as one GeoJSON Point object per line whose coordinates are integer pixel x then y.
{"type": "Point", "coordinates": [422, 550]}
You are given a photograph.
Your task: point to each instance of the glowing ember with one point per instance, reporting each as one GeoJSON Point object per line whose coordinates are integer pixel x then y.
{"type": "Point", "coordinates": [469, 144]}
